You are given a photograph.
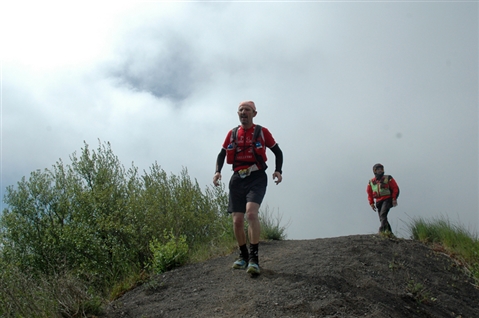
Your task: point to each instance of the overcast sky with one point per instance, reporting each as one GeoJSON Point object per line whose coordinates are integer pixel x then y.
{"type": "Point", "coordinates": [341, 86]}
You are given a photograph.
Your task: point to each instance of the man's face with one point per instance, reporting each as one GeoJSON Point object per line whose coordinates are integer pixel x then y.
{"type": "Point", "coordinates": [379, 170]}
{"type": "Point", "coordinates": [246, 114]}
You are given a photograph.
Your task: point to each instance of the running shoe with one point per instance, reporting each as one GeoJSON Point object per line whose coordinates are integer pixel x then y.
{"type": "Point", "coordinates": [239, 264]}
{"type": "Point", "coordinates": [253, 269]}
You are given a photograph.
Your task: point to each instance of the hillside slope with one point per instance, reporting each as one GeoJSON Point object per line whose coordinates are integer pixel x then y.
{"type": "Point", "coordinates": [351, 276]}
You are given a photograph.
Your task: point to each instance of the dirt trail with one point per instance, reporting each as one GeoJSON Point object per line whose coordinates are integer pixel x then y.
{"type": "Point", "coordinates": [351, 276]}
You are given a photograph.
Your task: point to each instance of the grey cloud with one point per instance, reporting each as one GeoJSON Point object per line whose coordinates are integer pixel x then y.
{"type": "Point", "coordinates": [162, 66]}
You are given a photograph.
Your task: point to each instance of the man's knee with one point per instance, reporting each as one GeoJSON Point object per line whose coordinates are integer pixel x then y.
{"type": "Point", "coordinates": [252, 215]}
{"type": "Point", "coordinates": [238, 220]}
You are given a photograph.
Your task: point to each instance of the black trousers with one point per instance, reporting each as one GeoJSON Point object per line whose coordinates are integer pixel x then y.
{"type": "Point", "coordinates": [383, 210]}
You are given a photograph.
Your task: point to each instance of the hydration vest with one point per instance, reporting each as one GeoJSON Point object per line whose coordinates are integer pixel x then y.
{"type": "Point", "coordinates": [258, 149]}
{"type": "Point", "coordinates": [381, 187]}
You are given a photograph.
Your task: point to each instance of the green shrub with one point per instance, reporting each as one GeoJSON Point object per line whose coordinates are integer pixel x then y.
{"type": "Point", "coordinates": [171, 253]}
{"type": "Point", "coordinates": [94, 220]}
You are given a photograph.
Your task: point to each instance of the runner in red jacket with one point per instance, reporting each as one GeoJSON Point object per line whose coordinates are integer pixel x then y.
{"type": "Point", "coordinates": [383, 189]}
{"type": "Point", "coordinates": [245, 148]}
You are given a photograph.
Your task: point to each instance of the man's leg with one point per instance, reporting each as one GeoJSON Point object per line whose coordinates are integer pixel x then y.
{"type": "Point", "coordinates": [254, 232]}
{"type": "Point", "coordinates": [238, 229]}
{"type": "Point", "coordinates": [383, 215]}
{"type": "Point", "coordinates": [254, 227]}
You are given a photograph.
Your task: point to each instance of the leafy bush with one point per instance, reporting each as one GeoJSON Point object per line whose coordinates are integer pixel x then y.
{"type": "Point", "coordinates": [169, 255]}
{"type": "Point", "coordinates": [93, 220]}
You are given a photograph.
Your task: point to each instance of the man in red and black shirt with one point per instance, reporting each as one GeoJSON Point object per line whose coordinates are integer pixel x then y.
{"type": "Point", "coordinates": [245, 148]}
{"type": "Point", "coordinates": [383, 189]}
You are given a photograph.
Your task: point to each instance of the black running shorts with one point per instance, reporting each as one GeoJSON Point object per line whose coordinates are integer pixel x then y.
{"type": "Point", "coordinates": [249, 189]}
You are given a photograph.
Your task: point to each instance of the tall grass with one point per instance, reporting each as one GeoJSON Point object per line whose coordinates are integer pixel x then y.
{"type": "Point", "coordinates": [64, 295]}
{"type": "Point", "coordinates": [271, 228]}
{"type": "Point", "coordinates": [458, 242]}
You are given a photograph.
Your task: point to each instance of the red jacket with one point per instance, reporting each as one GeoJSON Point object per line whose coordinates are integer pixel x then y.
{"type": "Point", "coordinates": [245, 156]}
{"type": "Point", "coordinates": [393, 187]}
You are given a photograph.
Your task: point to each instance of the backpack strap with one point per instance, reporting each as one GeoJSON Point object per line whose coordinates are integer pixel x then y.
{"type": "Point", "coordinates": [257, 132]}
{"type": "Point", "coordinates": [259, 159]}
{"type": "Point", "coordinates": [234, 134]}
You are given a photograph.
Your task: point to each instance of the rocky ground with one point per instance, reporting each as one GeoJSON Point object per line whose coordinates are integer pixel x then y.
{"type": "Point", "coordinates": [351, 276]}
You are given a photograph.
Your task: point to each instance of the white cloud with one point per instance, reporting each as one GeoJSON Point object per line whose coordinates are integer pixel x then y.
{"type": "Point", "coordinates": [340, 85]}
